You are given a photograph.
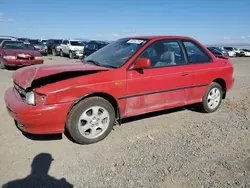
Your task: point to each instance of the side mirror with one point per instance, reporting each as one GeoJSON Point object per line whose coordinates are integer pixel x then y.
{"type": "Point", "coordinates": [37, 49]}
{"type": "Point", "coordinates": [141, 63]}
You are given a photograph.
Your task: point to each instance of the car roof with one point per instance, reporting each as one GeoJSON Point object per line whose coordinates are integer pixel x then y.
{"type": "Point", "coordinates": [160, 37]}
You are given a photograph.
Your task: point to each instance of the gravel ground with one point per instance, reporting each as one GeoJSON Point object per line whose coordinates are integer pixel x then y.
{"type": "Point", "coordinates": [174, 148]}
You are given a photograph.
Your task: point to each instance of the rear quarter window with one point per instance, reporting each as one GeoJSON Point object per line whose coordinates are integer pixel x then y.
{"type": "Point", "coordinates": [195, 53]}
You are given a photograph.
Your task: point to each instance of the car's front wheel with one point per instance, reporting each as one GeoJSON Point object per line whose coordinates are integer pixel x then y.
{"type": "Point", "coordinates": [212, 99]}
{"type": "Point", "coordinates": [71, 55]}
{"type": "Point", "coordinates": [91, 120]}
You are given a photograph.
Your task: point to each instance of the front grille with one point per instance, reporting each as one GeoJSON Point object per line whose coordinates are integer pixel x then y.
{"type": "Point", "coordinates": [24, 58]}
{"type": "Point", "coordinates": [20, 91]}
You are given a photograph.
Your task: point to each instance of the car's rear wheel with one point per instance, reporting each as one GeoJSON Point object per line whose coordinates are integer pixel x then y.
{"type": "Point", "coordinates": [53, 52]}
{"type": "Point", "coordinates": [2, 65]}
{"type": "Point", "coordinates": [91, 120]}
{"type": "Point", "coordinates": [212, 99]}
{"type": "Point", "coordinates": [61, 53]}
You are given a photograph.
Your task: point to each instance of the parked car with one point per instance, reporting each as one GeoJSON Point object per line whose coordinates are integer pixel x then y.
{"type": "Point", "coordinates": [72, 48]}
{"type": "Point", "coordinates": [238, 52]}
{"type": "Point", "coordinates": [17, 53]}
{"type": "Point", "coordinates": [22, 39]}
{"type": "Point", "coordinates": [128, 77]}
{"type": "Point", "coordinates": [43, 41]}
{"type": "Point", "coordinates": [2, 38]}
{"type": "Point", "coordinates": [93, 46]}
{"type": "Point", "coordinates": [52, 44]}
{"type": "Point", "coordinates": [218, 51]}
{"type": "Point", "coordinates": [246, 52]}
{"type": "Point", "coordinates": [39, 46]}
{"type": "Point", "coordinates": [230, 51]}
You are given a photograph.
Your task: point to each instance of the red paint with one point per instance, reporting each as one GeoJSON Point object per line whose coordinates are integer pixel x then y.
{"type": "Point", "coordinates": [50, 117]}
{"type": "Point", "coordinates": [20, 62]}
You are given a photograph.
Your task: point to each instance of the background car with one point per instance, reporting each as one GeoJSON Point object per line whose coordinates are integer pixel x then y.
{"type": "Point", "coordinates": [72, 48]}
{"type": "Point", "coordinates": [238, 52]}
{"type": "Point", "coordinates": [230, 51]}
{"type": "Point", "coordinates": [43, 41]}
{"type": "Point", "coordinates": [22, 39]}
{"type": "Point", "coordinates": [17, 53]}
{"type": "Point", "coordinates": [52, 44]}
{"type": "Point", "coordinates": [218, 51]}
{"type": "Point", "coordinates": [7, 38]}
{"type": "Point", "coordinates": [246, 52]}
{"type": "Point", "coordinates": [38, 45]}
{"type": "Point", "coordinates": [93, 46]}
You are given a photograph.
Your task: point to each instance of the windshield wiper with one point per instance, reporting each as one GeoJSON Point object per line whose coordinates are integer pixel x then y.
{"type": "Point", "coordinates": [101, 65]}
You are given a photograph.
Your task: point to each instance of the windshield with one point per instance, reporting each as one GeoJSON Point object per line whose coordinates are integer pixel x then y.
{"type": "Point", "coordinates": [17, 45]}
{"type": "Point", "coordinates": [76, 43]}
{"type": "Point", "coordinates": [35, 42]}
{"type": "Point", "coordinates": [116, 53]}
{"type": "Point", "coordinates": [57, 41]}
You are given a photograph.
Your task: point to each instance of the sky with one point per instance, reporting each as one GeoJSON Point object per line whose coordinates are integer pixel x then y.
{"type": "Point", "coordinates": [209, 21]}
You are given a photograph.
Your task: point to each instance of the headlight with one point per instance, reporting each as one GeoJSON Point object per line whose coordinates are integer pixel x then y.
{"type": "Point", "coordinates": [45, 47]}
{"type": "Point", "coordinates": [33, 98]}
{"type": "Point", "coordinates": [30, 98]}
{"type": "Point", "coordinates": [9, 57]}
{"type": "Point", "coordinates": [38, 58]}
{"type": "Point", "coordinates": [75, 49]}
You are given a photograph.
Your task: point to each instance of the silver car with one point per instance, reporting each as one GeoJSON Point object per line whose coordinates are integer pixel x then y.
{"type": "Point", "coordinates": [38, 45]}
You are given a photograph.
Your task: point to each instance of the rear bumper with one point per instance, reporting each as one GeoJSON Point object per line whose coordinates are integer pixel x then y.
{"type": "Point", "coordinates": [230, 84]}
{"type": "Point", "coordinates": [47, 119]}
{"type": "Point", "coordinates": [17, 62]}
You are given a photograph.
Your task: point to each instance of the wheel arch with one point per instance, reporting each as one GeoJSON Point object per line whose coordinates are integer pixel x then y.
{"type": "Point", "coordinates": [223, 85]}
{"type": "Point", "coordinates": [106, 96]}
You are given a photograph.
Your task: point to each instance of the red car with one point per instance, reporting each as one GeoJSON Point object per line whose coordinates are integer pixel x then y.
{"type": "Point", "coordinates": [128, 77]}
{"type": "Point", "coordinates": [17, 53]}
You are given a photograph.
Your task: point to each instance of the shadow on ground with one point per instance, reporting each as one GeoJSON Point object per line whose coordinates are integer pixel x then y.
{"type": "Point", "coordinates": [39, 175]}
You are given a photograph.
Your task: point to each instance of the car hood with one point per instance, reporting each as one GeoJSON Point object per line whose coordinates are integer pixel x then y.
{"type": "Point", "coordinates": [25, 76]}
{"type": "Point", "coordinates": [16, 52]}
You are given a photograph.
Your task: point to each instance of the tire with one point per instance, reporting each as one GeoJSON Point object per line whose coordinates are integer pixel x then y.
{"type": "Point", "coordinates": [61, 53]}
{"type": "Point", "coordinates": [71, 55]}
{"type": "Point", "coordinates": [2, 66]}
{"type": "Point", "coordinates": [76, 120]}
{"type": "Point", "coordinates": [53, 52]}
{"type": "Point", "coordinates": [205, 106]}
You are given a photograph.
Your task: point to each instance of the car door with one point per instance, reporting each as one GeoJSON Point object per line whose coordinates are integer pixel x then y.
{"type": "Point", "coordinates": [162, 85]}
{"type": "Point", "coordinates": [200, 68]}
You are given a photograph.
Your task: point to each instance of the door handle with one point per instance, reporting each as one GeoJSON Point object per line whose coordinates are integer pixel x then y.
{"type": "Point", "coordinates": [185, 74]}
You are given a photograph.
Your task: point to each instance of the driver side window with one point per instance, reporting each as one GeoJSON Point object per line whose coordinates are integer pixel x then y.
{"type": "Point", "coordinates": [164, 53]}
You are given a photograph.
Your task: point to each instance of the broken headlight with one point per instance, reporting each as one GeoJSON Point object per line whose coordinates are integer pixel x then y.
{"type": "Point", "coordinates": [30, 98]}
{"type": "Point", "coordinates": [33, 98]}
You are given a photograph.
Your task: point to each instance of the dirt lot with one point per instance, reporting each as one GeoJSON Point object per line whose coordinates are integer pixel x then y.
{"type": "Point", "coordinates": [174, 148]}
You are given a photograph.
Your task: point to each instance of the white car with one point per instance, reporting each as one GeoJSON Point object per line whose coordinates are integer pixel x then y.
{"type": "Point", "coordinates": [72, 48]}
{"type": "Point", "coordinates": [230, 51]}
{"type": "Point", "coordinates": [239, 52]}
{"type": "Point", "coordinates": [246, 52]}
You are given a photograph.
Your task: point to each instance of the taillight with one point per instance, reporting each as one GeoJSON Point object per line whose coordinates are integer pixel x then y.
{"type": "Point", "coordinates": [40, 99]}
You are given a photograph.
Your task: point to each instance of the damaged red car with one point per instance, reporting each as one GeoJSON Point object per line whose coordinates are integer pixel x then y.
{"type": "Point", "coordinates": [128, 77]}
{"type": "Point", "coordinates": [17, 53]}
